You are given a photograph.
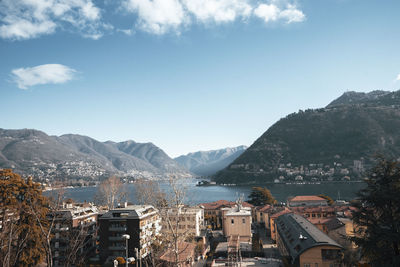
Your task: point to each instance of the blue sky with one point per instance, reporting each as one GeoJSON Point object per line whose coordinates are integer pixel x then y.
{"type": "Point", "coordinates": [187, 75]}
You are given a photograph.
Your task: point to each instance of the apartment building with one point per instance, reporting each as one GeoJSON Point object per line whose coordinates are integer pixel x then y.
{"type": "Point", "coordinates": [184, 220]}
{"type": "Point", "coordinates": [74, 233]}
{"type": "Point", "coordinates": [140, 222]}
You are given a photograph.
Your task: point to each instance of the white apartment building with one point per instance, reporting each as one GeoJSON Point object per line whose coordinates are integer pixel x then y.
{"type": "Point", "coordinates": [185, 220]}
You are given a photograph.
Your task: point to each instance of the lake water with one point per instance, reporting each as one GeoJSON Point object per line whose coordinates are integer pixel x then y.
{"type": "Point", "coordinates": [200, 194]}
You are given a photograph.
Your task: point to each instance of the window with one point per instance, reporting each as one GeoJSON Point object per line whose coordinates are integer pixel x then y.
{"type": "Point", "coordinates": [316, 264]}
{"type": "Point", "coordinates": [307, 265]}
{"type": "Point", "coordinates": [232, 221]}
{"type": "Point", "coordinates": [330, 254]}
{"type": "Point", "coordinates": [244, 220]}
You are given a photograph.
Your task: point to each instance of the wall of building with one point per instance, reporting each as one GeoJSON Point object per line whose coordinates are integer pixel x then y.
{"type": "Point", "coordinates": [238, 225]}
{"type": "Point", "coordinates": [313, 257]}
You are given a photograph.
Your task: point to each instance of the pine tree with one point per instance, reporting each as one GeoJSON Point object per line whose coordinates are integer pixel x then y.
{"type": "Point", "coordinates": [377, 215]}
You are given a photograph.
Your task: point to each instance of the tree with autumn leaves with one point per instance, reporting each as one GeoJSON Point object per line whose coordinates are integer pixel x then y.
{"type": "Point", "coordinates": [23, 211]}
{"type": "Point", "coordinates": [261, 196]}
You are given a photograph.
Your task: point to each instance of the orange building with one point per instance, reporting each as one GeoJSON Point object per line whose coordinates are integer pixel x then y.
{"type": "Point", "coordinates": [303, 244]}
{"type": "Point", "coordinates": [272, 219]}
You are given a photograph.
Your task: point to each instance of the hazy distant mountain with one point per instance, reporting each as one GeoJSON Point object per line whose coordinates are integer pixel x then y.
{"type": "Point", "coordinates": [339, 140]}
{"type": "Point", "coordinates": [35, 153]}
{"type": "Point", "coordinates": [205, 163]}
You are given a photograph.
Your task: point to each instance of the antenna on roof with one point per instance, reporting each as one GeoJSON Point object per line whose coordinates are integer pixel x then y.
{"type": "Point", "coordinates": [239, 201]}
{"type": "Point", "coordinates": [302, 237]}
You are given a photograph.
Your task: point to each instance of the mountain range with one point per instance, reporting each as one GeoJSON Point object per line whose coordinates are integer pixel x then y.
{"type": "Point", "coordinates": [205, 163]}
{"type": "Point", "coordinates": [35, 153]}
{"type": "Point", "coordinates": [339, 141]}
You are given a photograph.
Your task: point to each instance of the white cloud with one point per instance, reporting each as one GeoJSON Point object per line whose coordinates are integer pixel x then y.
{"type": "Point", "coordinates": [398, 77]}
{"type": "Point", "coordinates": [218, 10]}
{"type": "Point", "coordinates": [162, 16]}
{"type": "Point", "coordinates": [157, 16]}
{"type": "Point", "coordinates": [267, 12]}
{"type": "Point", "coordinates": [126, 31]}
{"type": "Point", "coordinates": [292, 14]}
{"type": "Point", "coordinates": [42, 74]}
{"type": "Point", "coordinates": [273, 12]}
{"type": "Point", "coordinates": [26, 19]}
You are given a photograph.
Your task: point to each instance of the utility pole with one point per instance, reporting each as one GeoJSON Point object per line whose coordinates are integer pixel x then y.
{"type": "Point", "coordinates": [126, 237]}
{"type": "Point", "coordinates": [137, 256]}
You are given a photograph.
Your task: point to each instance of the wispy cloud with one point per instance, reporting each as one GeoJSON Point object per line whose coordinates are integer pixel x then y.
{"type": "Point", "coordinates": [126, 31]}
{"type": "Point", "coordinates": [42, 74]}
{"type": "Point", "coordinates": [26, 19]}
{"type": "Point", "coordinates": [162, 16]}
{"type": "Point", "coordinates": [398, 77]}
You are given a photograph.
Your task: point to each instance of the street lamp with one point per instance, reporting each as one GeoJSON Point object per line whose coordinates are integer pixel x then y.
{"type": "Point", "coordinates": [126, 237]}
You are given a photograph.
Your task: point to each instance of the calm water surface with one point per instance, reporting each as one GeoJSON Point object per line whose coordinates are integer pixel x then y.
{"type": "Point", "coordinates": [199, 194]}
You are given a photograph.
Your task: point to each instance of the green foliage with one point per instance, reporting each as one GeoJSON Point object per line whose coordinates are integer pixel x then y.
{"type": "Point", "coordinates": [261, 196]}
{"type": "Point", "coordinates": [353, 132]}
{"type": "Point", "coordinates": [377, 215]}
{"type": "Point", "coordinates": [23, 211]}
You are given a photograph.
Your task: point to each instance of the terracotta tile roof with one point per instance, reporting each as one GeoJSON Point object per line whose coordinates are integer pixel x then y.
{"type": "Point", "coordinates": [186, 251]}
{"type": "Point", "coordinates": [331, 223]}
{"type": "Point", "coordinates": [264, 208]}
{"type": "Point", "coordinates": [222, 204]}
{"type": "Point", "coordinates": [307, 198]}
{"type": "Point", "coordinates": [319, 220]}
{"type": "Point", "coordinates": [313, 209]}
{"type": "Point", "coordinates": [276, 215]}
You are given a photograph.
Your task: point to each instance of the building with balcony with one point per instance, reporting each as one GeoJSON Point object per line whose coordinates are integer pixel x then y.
{"type": "Point", "coordinates": [140, 222]}
{"type": "Point", "coordinates": [74, 234]}
{"type": "Point", "coordinates": [188, 221]}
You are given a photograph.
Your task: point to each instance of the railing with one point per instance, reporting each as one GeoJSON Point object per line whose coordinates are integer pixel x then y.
{"type": "Point", "coordinates": [116, 248]}
{"type": "Point", "coordinates": [117, 228]}
{"type": "Point", "coordinates": [115, 238]}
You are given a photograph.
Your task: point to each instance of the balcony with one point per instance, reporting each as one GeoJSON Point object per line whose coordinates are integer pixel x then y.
{"type": "Point", "coordinates": [117, 228]}
{"type": "Point", "coordinates": [116, 248]}
{"type": "Point", "coordinates": [115, 238]}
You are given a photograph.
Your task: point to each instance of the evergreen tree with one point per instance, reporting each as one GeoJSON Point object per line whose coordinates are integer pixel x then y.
{"type": "Point", "coordinates": [261, 196]}
{"type": "Point", "coordinates": [377, 215]}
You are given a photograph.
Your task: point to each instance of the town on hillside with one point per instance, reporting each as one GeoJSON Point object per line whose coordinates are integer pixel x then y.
{"type": "Point", "coordinates": [304, 231]}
